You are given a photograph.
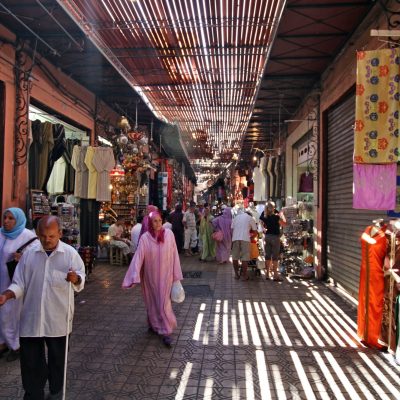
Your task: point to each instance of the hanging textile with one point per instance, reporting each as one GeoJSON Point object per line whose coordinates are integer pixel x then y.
{"type": "Point", "coordinates": [306, 182]}
{"type": "Point", "coordinates": [75, 162]}
{"type": "Point", "coordinates": [374, 186]}
{"type": "Point", "coordinates": [371, 287]}
{"type": "Point", "coordinates": [267, 178]}
{"type": "Point", "coordinates": [104, 162]}
{"type": "Point", "coordinates": [388, 329]}
{"type": "Point", "coordinates": [89, 222]}
{"type": "Point", "coordinates": [276, 174]}
{"type": "Point", "coordinates": [34, 154]}
{"type": "Point", "coordinates": [376, 129]}
{"type": "Point", "coordinates": [47, 144]}
{"type": "Point", "coordinates": [58, 133]}
{"type": "Point", "coordinates": [69, 182]}
{"type": "Point", "coordinates": [92, 180]}
{"type": "Point", "coordinates": [55, 183]}
{"type": "Point", "coordinates": [84, 173]}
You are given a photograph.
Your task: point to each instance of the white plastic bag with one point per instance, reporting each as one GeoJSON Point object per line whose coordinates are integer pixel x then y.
{"type": "Point", "coordinates": [177, 292]}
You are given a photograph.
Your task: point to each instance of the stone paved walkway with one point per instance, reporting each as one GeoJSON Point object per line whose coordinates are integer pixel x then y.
{"type": "Point", "coordinates": [236, 340]}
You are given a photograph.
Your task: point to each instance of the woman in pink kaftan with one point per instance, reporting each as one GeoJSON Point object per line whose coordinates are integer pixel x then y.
{"type": "Point", "coordinates": [156, 266]}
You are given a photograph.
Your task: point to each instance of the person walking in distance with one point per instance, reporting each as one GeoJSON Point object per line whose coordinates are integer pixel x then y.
{"type": "Point", "coordinates": [42, 280]}
{"type": "Point", "coordinates": [189, 223]}
{"type": "Point", "coordinates": [242, 224]}
{"type": "Point", "coordinates": [272, 221]}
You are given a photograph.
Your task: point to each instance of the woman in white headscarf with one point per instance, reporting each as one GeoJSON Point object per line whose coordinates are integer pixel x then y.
{"type": "Point", "coordinates": [13, 235]}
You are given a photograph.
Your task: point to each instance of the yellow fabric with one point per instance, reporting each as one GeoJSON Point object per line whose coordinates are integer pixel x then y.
{"type": "Point", "coordinates": [92, 187]}
{"type": "Point", "coordinates": [376, 127]}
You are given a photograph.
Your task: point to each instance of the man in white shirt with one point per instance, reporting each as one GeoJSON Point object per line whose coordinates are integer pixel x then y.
{"type": "Point", "coordinates": [42, 279]}
{"type": "Point", "coordinates": [135, 233]}
{"type": "Point", "coordinates": [189, 223]}
{"type": "Point", "coordinates": [115, 231]}
{"type": "Point", "coordinates": [241, 226]}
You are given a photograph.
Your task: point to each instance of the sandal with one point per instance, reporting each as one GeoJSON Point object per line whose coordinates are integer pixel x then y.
{"type": "Point", "coordinates": [167, 340]}
{"type": "Point", "coordinates": [279, 279]}
{"type": "Point", "coordinates": [3, 351]}
{"type": "Point", "coordinates": [151, 330]}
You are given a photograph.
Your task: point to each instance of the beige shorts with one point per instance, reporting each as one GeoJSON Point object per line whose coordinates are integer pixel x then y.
{"type": "Point", "coordinates": [241, 250]}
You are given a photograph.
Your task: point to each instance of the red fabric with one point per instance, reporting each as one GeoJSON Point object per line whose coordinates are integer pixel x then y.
{"type": "Point", "coordinates": [371, 289]}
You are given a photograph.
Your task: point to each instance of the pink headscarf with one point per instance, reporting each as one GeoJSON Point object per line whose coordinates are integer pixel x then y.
{"type": "Point", "coordinates": [156, 235]}
{"type": "Point", "coordinates": [146, 221]}
{"type": "Point", "coordinates": [151, 208]}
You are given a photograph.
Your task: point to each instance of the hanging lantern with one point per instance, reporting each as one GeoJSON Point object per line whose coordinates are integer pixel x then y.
{"type": "Point", "coordinates": [123, 123]}
{"type": "Point", "coordinates": [117, 172]}
{"type": "Point", "coordinates": [122, 139]}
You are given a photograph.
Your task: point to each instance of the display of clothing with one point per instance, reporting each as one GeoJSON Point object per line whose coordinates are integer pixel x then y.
{"type": "Point", "coordinates": [389, 330]}
{"type": "Point", "coordinates": [45, 150]}
{"type": "Point", "coordinates": [371, 287]}
{"type": "Point", "coordinates": [55, 183]}
{"type": "Point", "coordinates": [89, 228]}
{"type": "Point", "coordinates": [92, 179]}
{"type": "Point", "coordinates": [84, 173]}
{"type": "Point", "coordinates": [267, 178]}
{"type": "Point", "coordinates": [259, 180]}
{"type": "Point", "coordinates": [375, 137]}
{"type": "Point", "coordinates": [34, 154]}
{"type": "Point", "coordinates": [276, 174]}
{"type": "Point", "coordinates": [39, 152]}
{"type": "Point", "coordinates": [374, 186]}
{"type": "Point", "coordinates": [75, 162]}
{"type": "Point", "coordinates": [272, 182]}
{"type": "Point", "coordinates": [306, 182]}
{"type": "Point", "coordinates": [104, 162]}
{"type": "Point", "coordinates": [69, 181]}
{"type": "Point", "coordinates": [270, 177]}
{"type": "Point", "coordinates": [57, 151]}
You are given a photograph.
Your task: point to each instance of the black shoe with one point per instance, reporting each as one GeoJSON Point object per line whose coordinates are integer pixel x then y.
{"type": "Point", "coordinates": [151, 330]}
{"type": "Point", "coordinates": [167, 340]}
{"type": "Point", "coordinates": [12, 355]}
{"type": "Point", "coordinates": [55, 396]}
{"type": "Point", "coordinates": [3, 351]}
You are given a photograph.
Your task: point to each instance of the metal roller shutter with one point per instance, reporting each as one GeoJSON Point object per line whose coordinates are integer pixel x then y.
{"type": "Point", "coordinates": [344, 224]}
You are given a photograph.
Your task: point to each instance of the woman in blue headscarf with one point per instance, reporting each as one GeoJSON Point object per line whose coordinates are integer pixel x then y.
{"type": "Point", "coordinates": [13, 235]}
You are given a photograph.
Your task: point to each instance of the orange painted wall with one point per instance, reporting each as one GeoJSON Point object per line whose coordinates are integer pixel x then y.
{"type": "Point", "coordinates": [80, 108]}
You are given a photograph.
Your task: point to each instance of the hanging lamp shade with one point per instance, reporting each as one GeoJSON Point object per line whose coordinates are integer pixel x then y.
{"type": "Point", "coordinates": [118, 171]}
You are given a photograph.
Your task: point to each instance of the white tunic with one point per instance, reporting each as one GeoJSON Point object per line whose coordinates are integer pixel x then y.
{"type": "Point", "coordinates": [9, 312]}
{"type": "Point", "coordinates": [103, 160]}
{"type": "Point", "coordinates": [260, 180]}
{"type": "Point", "coordinates": [241, 226]}
{"type": "Point", "coordinates": [40, 281]}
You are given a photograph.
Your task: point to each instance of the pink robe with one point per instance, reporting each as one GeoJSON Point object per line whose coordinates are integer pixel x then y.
{"type": "Point", "coordinates": [156, 266]}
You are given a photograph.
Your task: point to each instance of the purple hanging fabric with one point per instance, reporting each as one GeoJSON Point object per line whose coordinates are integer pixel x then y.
{"type": "Point", "coordinates": [374, 186]}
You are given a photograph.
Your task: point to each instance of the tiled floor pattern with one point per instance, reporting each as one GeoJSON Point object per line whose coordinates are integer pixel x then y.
{"type": "Point", "coordinates": [236, 340]}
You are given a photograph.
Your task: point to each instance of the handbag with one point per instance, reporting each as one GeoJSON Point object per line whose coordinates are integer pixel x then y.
{"type": "Point", "coordinates": [12, 264]}
{"type": "Point", "coordinates": [177, 292]}
{"type": "Point", "coordinates": [218, 236]}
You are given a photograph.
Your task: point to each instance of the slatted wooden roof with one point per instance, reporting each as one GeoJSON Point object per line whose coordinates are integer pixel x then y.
{"type": "Point", "coordinates": [198, 64]}
{"type": "Point", "coordinates": [208, 68]}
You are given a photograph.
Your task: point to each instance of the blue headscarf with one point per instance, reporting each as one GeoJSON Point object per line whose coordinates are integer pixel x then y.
{"type": "Point", "coordinates": [20, 222]}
